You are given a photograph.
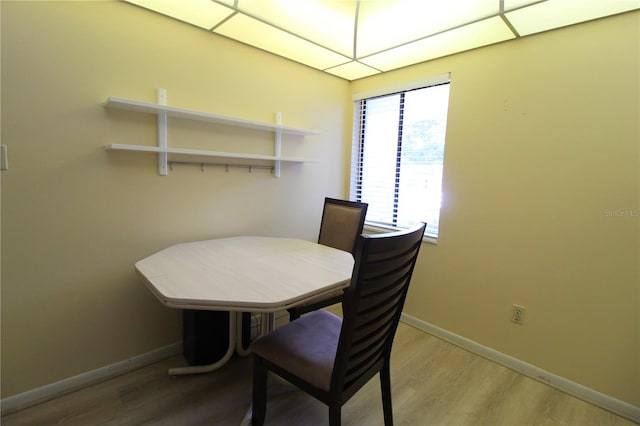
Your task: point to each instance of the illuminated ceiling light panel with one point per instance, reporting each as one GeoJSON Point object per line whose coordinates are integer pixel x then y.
{"type": "Point", "coordinates": [517, 4]}
{"type": "Point", "coordinates": [329, 23]}
{"type": "Point", "coordinates": [560, 13]}
{"type": "Point", "coordinates": [266, 37]}
{"type": "Point", "coordinates": [352, 70]}
{"type": "Point", "coordinates": [383, 24]}
{"type": "Point", "coordinates": [357, 38]}
{"type": "Point", "coordinates": [201, 13]}
{"type": "Point", "coordinates": [483, 33]}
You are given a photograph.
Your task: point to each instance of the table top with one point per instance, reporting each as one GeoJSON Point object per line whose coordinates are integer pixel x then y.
{"type": "Point", "coordinates": [254, 274]}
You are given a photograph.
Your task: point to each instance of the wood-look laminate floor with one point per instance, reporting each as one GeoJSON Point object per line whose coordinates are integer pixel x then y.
{"type": "Point", "coordinates": [433, 383]}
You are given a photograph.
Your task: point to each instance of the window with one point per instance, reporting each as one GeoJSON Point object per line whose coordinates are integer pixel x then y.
{"type": "Point", "coordinates": [398, 154]}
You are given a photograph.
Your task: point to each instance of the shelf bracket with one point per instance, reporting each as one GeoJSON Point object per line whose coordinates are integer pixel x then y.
{"type": "Point", "coordinates": [161, 99]}
{"type": "Point", "coordinates": [277, 146]}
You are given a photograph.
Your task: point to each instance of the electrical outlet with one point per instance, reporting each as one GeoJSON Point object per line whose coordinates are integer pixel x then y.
{"type": "Point", "coordinates": [517, 313]}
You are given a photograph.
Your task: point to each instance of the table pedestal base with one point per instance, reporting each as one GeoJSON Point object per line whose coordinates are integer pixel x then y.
{"type": "Point", "coordinates": [267, 324]}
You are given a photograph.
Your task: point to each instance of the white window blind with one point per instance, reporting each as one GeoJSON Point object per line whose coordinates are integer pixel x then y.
{"type": "Point", "coordinates": [398, 154]}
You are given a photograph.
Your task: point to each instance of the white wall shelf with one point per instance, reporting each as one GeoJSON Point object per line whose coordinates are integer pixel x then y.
{"type": "Point", "coordinates": [203, 153]}
{"type": "Point", "coordinates": [163, 112]}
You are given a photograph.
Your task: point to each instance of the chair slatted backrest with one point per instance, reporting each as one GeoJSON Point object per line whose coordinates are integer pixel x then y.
{"type": "Point", "coordinates": [372, 306]}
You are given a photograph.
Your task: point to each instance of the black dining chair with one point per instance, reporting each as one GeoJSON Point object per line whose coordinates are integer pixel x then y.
{"type": "Point", "coordinates": [342, 221]}
{"type": "Point", "coordinates": [332, 358]}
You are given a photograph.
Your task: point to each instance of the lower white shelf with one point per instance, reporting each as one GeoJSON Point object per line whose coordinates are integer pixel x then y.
{"type": "Point", "coordinates": [204, 153]}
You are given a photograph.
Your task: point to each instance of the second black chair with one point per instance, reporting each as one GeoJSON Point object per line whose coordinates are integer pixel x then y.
{"type": "Point", "coordinates": [341, 224]}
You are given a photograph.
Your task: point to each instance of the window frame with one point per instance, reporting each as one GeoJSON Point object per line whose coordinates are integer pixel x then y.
{"type": "Point", "coordinates": [357, 137]}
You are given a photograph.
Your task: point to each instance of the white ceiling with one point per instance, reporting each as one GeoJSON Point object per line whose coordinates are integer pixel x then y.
{"type": "Point", "coordinates": [357, 38]}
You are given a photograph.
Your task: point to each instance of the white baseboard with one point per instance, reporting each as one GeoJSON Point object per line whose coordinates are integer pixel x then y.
{"type": "Point", "coordinates": [53, 390]}
{"type": "Point", "coordinates": [599, 399]}
{"type": "Point", "coordinates": [44, 393]}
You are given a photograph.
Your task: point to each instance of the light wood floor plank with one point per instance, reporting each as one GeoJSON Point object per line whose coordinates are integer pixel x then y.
{"type": "Point", "coordinates": [433, 383]}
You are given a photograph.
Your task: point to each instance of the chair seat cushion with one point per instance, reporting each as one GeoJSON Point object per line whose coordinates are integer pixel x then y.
{"type": "Point", "coordinates": [306, 347]}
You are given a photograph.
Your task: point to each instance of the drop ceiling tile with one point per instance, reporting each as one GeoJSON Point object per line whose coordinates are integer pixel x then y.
{"type": "Point", "coordinates": [256, 33]}
{"type": "Point", "coordinates": [201, 13]}
{"type": "Point", "coordinates": [330, 23]}
{"type": "Point", "coordinates": [352, 70]}
{"type": "Point", "coordinates": [489, 31]}
{"type": "Point", "coordinates": [383, 24]}
{"type": "Point", "coordinates": [553, 14]}
{"type": "Point", "coordinates": [516, 4]}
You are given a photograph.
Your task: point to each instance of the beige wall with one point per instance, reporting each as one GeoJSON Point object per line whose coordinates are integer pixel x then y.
{"type": "Point", "coordinates": [542, 143]}
{"type": "Point", "coordinates": [75, 217]}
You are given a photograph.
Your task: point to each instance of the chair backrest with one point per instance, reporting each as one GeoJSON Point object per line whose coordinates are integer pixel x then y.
{"type": "Point", "coordinates": [372, 306]}
{"type": "Point", "coordinates": [342, 222]}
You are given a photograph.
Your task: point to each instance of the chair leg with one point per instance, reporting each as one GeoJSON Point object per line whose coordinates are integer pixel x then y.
{"type": "Point", "coordinates": [385, 386]}
{"type": "Point", "coordinates": [293, 315]}
{"type": "Point", "coordinates": [335, 411]}
{"type": "Point", "coordinates": [259, 406]}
